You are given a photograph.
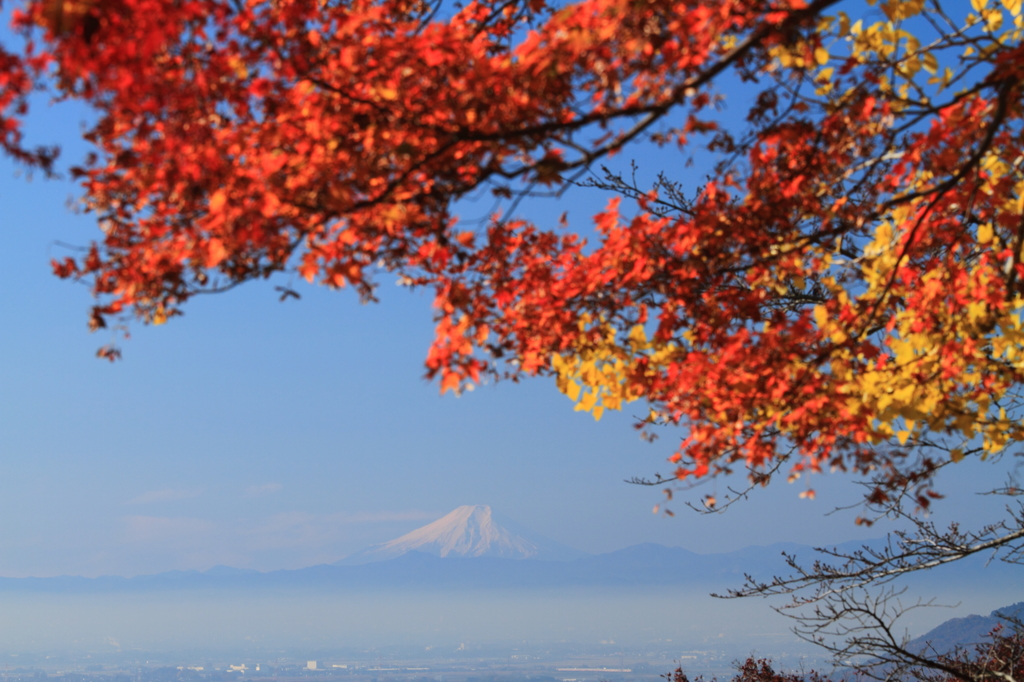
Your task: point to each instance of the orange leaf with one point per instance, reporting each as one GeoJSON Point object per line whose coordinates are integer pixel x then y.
{"type": "Point", "coordinates": [216, 253]}
{"type": "Point", "coordinates": [217, 201]}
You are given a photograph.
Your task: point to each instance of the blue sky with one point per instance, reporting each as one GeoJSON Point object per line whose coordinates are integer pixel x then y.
{"type": "Point", "coordinates": [278, 435]}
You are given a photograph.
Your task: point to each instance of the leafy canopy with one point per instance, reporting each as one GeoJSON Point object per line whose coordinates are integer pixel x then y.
{"type": "Point", "coordinates": [845, 290]}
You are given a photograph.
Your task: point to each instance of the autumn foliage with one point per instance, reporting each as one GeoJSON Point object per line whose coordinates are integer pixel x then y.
{"type": "Point", "coordinates": [999, 659]}
{"type": "Point", "coordinates": [843, 291]}
{"type": "Point", "coordinates": [753, 670]}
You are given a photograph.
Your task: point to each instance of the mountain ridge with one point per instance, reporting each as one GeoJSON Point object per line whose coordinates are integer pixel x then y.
{"type": "Point", "coordinates": [473, 548]}
{"type": "Point", "coordinates": [647, 565]}
{"type": "Point", "coordinates": [966, 631]}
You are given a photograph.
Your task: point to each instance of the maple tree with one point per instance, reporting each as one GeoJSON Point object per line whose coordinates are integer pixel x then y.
{"type": "Point", "coordinates": [844, 291]}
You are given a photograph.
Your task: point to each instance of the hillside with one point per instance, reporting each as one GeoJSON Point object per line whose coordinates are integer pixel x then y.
{"type": "Point", "coordinates": [967, 631]}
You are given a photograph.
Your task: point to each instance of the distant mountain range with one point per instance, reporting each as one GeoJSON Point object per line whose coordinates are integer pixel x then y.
{"type": "Point", "coordinates": [473, 548]}
{"type": "Point", "coordinates": [640, 565]}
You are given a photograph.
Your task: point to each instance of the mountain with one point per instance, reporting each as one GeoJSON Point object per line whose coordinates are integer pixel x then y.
{"type": "Point", "coordinates": [469, 531]}
{"type": "Point", "coordinates": [228, 571]}
{"type": "Point", "coordinates": [645, 566]}
{"type": "Point", "coordinates": [966, 631]}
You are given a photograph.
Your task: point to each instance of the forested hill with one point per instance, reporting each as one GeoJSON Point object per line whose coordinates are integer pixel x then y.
{"type": "Point", "coordinates": [969, 630]}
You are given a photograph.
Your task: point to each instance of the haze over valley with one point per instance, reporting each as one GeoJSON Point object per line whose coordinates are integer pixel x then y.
{"type": "Point", "coordinates": [465, 580]}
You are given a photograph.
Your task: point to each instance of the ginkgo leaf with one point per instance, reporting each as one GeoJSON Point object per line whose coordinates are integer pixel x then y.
{"type": "Point", "coordinates": [930, 62]}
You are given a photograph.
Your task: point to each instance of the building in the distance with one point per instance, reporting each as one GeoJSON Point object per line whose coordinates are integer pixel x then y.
{"type": "Point", "coordinates": [310, 665]}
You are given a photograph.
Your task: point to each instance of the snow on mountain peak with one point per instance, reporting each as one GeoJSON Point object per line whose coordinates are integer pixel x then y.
{"type": "Point", "coordinates": [468, 531]}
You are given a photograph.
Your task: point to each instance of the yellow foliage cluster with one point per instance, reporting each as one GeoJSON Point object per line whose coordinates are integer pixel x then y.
{"type": "Point", "coordinates": [599, 374]}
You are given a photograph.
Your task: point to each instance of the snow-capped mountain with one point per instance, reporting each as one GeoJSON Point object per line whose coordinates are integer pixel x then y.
{"type": "Point", "coordinates": [470, 531]}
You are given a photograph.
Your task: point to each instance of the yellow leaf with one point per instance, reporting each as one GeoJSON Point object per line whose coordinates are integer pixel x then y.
{"type": "Point", "coordinates": [637, 334]}
{"type": "Point", "coordinates": [821, 56]}
{"type": "Point", "coordinates": [820, 315]}
{"type": "Point", "coordinates": [993, 19]}
{"type": "Point", "coordinates": [985, 233]}
{"type": "Point", "coordinates": [956, 454]}
{"type": "Point", "coordinates": [573, 391]}
{"type": "Point", "coordinates": [587, 404]}
{"type": "Point", "coordinates": [930, 63]}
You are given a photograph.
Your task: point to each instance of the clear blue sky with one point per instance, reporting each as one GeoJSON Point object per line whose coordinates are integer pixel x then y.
{"type": "Point", "coordinates": [278, 435]}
